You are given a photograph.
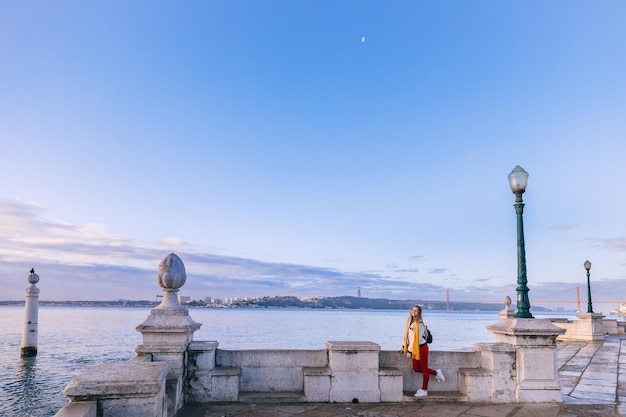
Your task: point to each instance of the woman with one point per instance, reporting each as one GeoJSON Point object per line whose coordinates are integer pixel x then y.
{"type": "Point", "coordinates": [415, 347]}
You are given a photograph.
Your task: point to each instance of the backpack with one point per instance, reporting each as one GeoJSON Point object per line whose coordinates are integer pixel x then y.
{"type": "Point", "coordinates": [429, 336]}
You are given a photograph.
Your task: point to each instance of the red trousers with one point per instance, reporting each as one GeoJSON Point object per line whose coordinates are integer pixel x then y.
{"type": "Point", "coordinates": [421, 365]}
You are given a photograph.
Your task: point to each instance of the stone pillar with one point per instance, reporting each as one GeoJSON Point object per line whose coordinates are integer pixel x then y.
{"type": "Point", "coordinates": [205, 381]}
{"type": "Point", "coordinates": [31, 313]}
{"type": "Point", "coordinates": [354, 371]}
{"type": "Point", "coordinates": [168, 330]}
{"type": "Point", "coordinates": [498, 384]}
{"type": "Point", "coordinates": [535, 361]}
{"type": "Point", "coordinates": [590, 326]}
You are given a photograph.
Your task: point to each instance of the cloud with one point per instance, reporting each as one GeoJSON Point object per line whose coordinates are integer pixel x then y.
{"type": "Point", "coordinates": [27, 235]}
{"type": "Point", "coordinates": [87, 262]}
{"type": "Point", "coordinates": [564, 227]}
{"type": "Point", "coordinates": [616, 244]}
{"type": "Point", "coordinates": [172, 241]}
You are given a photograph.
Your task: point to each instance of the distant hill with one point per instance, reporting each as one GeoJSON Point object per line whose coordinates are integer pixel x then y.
{"type": "Point", "coordinates": [359, 302]}
{"type": "Point", "coordinates": [346, 302]}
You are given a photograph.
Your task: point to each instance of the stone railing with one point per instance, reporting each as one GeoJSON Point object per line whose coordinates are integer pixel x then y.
{"type": "Point", "coordinates": [345, 371]}
{"type": "Point", "coordinates": [171, 369]}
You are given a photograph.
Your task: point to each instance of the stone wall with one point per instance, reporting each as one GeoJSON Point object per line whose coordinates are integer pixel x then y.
{"type": "Point", "coordinates": [133, 388]}
{"type": "Point", "coordinates": [271, 370]}
{"type": "Point", "coordinates": [449, 361]}
{"type": "Point", "coordinates": [316, 375]}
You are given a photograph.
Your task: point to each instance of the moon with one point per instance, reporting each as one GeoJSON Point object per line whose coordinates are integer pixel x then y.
{"type": "Point", "coordinates": [363, 39]}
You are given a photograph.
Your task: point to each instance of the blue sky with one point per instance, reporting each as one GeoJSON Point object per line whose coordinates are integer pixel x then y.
{"type": "Point", "coordinates": [312, 147]}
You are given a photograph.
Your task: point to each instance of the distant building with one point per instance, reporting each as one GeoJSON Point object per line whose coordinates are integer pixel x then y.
{"type": "Point", "coordinates": [358, 292]}
{"type": "Point", "coordinates": [184, 299]}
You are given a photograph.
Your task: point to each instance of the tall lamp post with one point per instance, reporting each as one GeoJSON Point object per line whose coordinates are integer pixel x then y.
{"type": "Point", "coordinates": [589, 306]}
{"type": "Point", "coordinates": [518, 180]}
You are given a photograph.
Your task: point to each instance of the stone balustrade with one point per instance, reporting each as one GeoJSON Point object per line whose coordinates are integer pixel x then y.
{"type": "Point", "coordinates": [172, 369]}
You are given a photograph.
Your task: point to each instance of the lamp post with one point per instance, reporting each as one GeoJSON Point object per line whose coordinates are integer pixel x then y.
{"type": "Point", "coordinates": [518, 180]}
{"type": "Point", "coordinates": [589, 306]}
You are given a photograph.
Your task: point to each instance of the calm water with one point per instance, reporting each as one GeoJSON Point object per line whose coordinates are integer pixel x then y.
{"type": "Point", "coordinates": [73, 339]}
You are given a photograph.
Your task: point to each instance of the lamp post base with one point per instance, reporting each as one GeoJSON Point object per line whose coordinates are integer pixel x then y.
{"type": "Point", "coordinates": [534, 374]}
{"type": "Point", "coordinates": [590, 326]}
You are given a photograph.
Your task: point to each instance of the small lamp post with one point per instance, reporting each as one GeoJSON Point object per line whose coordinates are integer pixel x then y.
{"type": "Point", "coordinates": [518, 180]}
{"type": "Point", "coordinates": [589, 306]}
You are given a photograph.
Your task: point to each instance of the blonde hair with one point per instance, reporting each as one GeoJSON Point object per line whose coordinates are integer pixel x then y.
{"type": "Point", "coordinates": [419, 314]}
{"type": "Point", "coordinates": [418, 318]}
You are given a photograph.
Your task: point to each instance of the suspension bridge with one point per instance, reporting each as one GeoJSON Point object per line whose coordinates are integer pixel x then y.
{"type": "Point", "coordinates": [563, 297]}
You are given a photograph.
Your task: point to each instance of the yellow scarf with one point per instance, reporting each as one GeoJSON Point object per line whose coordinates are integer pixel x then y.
{"type": "Point", "coordinates": [416, 344]}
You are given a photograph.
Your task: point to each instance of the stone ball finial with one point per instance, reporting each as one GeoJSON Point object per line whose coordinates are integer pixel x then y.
{"type": "Point", "coordinates": [171, 273]}
{"type": "Point", "coordinates": [33, 278]}
{"type": "Point", "coordinates": [507, 302]}
{"type": "Point", "coordinates": [507, 313]}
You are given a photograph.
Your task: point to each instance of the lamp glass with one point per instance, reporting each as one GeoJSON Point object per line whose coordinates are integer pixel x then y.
{"type": "Point", "coordinates": [587, 265]}
{"type": "Point", "coordinates": [518, 179]}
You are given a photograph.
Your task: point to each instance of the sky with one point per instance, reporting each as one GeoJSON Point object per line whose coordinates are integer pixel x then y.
{"type": "Point", "coordinates": [312, 148]}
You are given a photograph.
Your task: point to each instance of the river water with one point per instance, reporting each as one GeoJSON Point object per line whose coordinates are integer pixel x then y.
{"type": "Point", "coordinates": [72, 339]}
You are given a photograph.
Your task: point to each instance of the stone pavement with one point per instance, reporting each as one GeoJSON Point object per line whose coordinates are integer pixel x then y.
{"type": "Point", "coordinates": [594, 372]}
{"type": "Point", "coordinates": [592, 375]}
{"type": "Point", "coordinates": [407, 409]}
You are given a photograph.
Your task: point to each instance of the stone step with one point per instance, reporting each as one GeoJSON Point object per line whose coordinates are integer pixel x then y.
{"type": "Point", "coordinates": [436, 397]}
{"type": "Point", "coordinates": [298, 397]}
{"type": "Point", "coordinates": [272, 397]}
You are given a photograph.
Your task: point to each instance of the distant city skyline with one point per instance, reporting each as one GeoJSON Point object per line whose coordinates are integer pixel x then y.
{"type": "Point", "coordinates": [311, 148]}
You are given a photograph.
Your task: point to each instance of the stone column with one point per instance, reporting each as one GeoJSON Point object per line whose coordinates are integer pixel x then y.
{"type": "Point", "coordinates": [590, 326]}
{"type": "Point", "coordinates": [354, 371]}
{"type": "Point", "coordinates": [31, 313]}
{"type": "Point", "coordinates": [535, 362]}
{"type": "Point", "coordinates": [498, 384]}
{"type": "Point", "coordinates": [168, 330]}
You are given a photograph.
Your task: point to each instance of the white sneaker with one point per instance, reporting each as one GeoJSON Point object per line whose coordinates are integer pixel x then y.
{"type": "Point", "coordinates": [421, 393]}
{"type": "Point", "coordinates": [440, 376]}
